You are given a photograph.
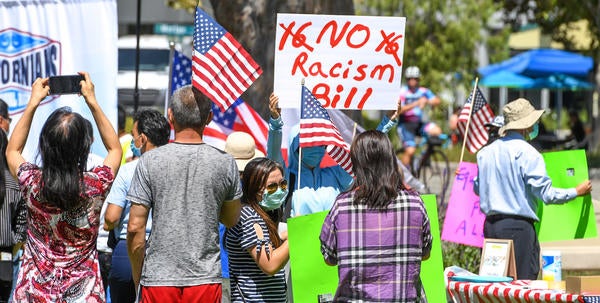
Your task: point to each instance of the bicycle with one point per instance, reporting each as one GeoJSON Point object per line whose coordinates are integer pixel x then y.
{"type": "Point", "coordinates": [432, 168]}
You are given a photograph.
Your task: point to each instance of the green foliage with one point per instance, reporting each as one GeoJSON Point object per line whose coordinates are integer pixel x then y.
{"type": "Point", "coordinates": [557, 18]}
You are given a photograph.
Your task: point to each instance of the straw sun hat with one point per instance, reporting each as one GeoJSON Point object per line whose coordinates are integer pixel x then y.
{"type": "Point", "coordinates": [519, 114]}
{"type": "Point", "coordinates": [242, 147]}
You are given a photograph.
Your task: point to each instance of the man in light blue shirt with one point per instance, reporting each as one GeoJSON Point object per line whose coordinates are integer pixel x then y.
{"type": "Point", "coordinates": [150, 130]}
{"type": "Point", "coordinates": [512, 176]}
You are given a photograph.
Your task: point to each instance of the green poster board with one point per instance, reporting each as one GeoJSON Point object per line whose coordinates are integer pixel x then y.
{"type": "Point", "coordinates": [311, 276]}
{"type": "Point", "coordinates": [574, 219]}
{"type": "Point", "coordinates": [432, 269]}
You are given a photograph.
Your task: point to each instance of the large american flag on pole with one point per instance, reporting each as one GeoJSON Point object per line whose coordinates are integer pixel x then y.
{"type": "Point", "coordinates": [239, 117]}
{"type": "Point", "coordinates": [316, 129]}
{"type": "Point", "coordinates": [476, 136]}
{"type": "Point", "coordinates": [222, 69]}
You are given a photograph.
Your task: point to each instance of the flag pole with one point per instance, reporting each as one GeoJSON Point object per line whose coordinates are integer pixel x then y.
{"type": "Point", "coordinates": [354, 131]}
{"type": "Point", "coordinates": [300, 148]}
{"type": "Point", "coordinates": [462, 152]}
{"type": "Point", "coordinates": [170, 86]}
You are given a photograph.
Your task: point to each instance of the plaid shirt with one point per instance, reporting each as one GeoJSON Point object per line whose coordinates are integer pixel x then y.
{"type": "Point", "coordinates": [378, 252]}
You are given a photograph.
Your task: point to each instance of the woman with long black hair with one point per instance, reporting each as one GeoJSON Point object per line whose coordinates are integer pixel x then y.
{"type": "Point", "coordinates": [60, 262]}
{"type": "Point", "coordinates": [377, 232]}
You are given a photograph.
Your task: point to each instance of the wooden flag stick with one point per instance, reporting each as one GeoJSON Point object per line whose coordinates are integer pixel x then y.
{"type": "Point", "coordinates": [462, 152]}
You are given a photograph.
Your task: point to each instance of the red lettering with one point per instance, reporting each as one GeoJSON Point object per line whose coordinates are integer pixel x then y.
{"type": "Point", "coordinates": [339, 88]}
{"type": "Point", "coordinates": [334, 38]}
{"type": "Point", "coordinates": [345, 75]}
{"type": "Point", "coordinates": [358, 28]}
{"type": "Point", "coordinates": [298, 38]}
{"type": "Point", "coordinates": [361, 70]}
{"type": "Point", "coordinates": [365, 97]}
{"type": "Point", "coordinates": [322, 95]}
{"type": "Point", "coordinates": [381, 70]}
{"type": "Point", "coordinates": [316, 70]}
{"type": "Point", "coordinates": [299, 62]}
{"type": "Point", "coordinates": [391, 46]}
{"type": "Point", "coordinates": [332, 72]}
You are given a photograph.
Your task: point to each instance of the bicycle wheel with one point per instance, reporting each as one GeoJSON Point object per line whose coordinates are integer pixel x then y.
{"type": "Point", "coordinates": [434, 172]}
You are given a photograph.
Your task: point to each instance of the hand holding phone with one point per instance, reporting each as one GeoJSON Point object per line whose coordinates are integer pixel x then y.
{"type": "Point", "coordinates": [60, 85]}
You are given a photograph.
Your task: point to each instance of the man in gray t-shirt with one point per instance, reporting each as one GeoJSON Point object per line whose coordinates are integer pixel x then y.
{"type": "Point", "coordinates": [190, 187]}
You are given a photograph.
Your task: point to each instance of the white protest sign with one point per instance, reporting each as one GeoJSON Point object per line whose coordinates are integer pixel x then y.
{"type": "Point", "coordinates": [348, 62]}
{"type": "Point", "coordinates": [52, 38]}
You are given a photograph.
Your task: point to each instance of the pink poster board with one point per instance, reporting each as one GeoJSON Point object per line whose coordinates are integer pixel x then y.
{"type": "Point", "coordinates": [464, 221]}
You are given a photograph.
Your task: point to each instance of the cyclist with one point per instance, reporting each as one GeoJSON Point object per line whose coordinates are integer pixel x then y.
{"type": "Point", "coordinates": [414, 98]}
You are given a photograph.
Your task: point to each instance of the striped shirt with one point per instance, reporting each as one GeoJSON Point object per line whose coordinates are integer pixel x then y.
{"type": "Point", "coordinates": [13, 214]}
{"type": "Point", "coordinates": [378, 252]}
{"type": "Point", "coordinates": [255, 285]}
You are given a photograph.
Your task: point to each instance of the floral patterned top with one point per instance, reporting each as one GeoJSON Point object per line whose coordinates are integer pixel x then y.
{"type": "Point", "coordinates": [60, 263]}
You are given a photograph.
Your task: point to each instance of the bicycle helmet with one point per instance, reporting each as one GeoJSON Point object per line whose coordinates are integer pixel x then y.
{"type": "Point", "coordinates": [412, 72]}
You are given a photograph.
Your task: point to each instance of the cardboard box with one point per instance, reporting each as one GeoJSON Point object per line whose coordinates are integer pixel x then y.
{"type": "Point", "coordinates": [583, 284]}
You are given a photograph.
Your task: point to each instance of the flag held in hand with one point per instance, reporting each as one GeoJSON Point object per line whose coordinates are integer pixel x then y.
{"type": "Point", "coordinates": [222, 69]}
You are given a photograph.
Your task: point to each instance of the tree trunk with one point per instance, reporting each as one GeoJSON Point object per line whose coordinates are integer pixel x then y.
{"type": "Point", "coordinates": [253, 24]}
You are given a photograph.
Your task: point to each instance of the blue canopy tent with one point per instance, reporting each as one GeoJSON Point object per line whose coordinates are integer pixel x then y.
{"type": "Point", "coordinates": [505, 78]}
{"type": "Point", "coordinates": [543, 62]}
{"type": "Point", "coordinates": [550, 68]}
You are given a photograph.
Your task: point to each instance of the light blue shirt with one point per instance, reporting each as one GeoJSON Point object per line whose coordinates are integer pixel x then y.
{"type": "Point", "coordinates": [117, 195]}
{"type": "Point", "coordinates": [512, 175]}
{"type": "Point", "coordinates": [318, 186]}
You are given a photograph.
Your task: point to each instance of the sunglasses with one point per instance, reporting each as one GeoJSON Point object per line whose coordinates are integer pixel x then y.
{"type": "Point", "coordinates": [271, 188]}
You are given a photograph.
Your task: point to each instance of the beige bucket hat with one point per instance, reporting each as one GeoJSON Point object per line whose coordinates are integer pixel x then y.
{"type": "Point", "coordinates": [519, 114]}
{"type": "Point", "coordinates": [242, 147]}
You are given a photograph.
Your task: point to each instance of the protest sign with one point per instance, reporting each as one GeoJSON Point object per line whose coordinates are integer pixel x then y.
{"type": "Point", "coordinates": [52, 38]}
{"type": "Point", "coordinates": [311, 276]}
{"type": "Point", "coordinates": [577, 218]}
{"type": "Point", "coordinates": [464, 221]}
{"type": "Point", "coordinates": [432, 269]}
{"type": "Point", "coordinates": [349, 62]}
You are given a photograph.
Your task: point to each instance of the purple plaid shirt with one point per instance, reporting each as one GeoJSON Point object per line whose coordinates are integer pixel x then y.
{"type": "Point", "coordinates": [378, 252]}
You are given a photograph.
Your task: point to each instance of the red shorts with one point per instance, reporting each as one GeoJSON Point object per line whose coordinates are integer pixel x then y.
{"type": "Point", "coordinates": [188, 294]}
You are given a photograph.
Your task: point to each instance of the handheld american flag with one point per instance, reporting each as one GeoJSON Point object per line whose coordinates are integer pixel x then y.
{"type": "Point", "coordinates": [476, 136]}
{"type": "Point", "coordinates": [316, 129]}
{"type": "Point", "coordinates": [222, 69]}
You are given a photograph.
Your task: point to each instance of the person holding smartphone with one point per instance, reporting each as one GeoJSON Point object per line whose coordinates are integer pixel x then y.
{"type": "Point", "coordinates": [60, 262]}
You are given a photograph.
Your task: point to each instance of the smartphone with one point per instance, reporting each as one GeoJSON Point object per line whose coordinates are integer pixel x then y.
{"type": "Point", "coordinates": [60, 85]}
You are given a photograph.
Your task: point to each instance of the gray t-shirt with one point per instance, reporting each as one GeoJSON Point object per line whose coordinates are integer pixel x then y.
{"type": "Point", "coordinates": [185, 185]}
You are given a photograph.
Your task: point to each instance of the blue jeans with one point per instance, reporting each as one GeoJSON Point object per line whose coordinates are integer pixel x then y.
{"type": "Point", "coordinates": [122, 288]}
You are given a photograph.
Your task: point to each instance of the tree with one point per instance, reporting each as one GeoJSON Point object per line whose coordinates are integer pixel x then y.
{"type": "Point", "coordinates": [558, 18]}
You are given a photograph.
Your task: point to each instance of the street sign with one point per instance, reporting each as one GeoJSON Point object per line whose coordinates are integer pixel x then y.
{"type": "Point", "coordinates": [173, 29]}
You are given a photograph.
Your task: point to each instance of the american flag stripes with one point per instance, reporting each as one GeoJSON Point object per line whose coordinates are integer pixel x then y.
{"type": "Point", "coordinates": [477, 136]}
{"type": "Point", "coordinates": [316, 129]}
{"type": "Point", "coordinates": [222, 69]}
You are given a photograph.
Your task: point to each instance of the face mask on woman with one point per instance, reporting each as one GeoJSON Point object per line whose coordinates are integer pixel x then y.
{"type": "Point", "coordinates": [137, 151]}
{"type": "Point", "coordinates": [534, 132]}
{"type": "Point", "coordinates": [274, 199]}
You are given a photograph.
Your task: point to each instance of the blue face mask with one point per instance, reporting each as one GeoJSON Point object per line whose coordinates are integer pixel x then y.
{"type": "Point", "coordinates": [534, 132]}
{"type": "Point", "coordinates": [137, 151]}
{"type": "Point", "coordinates": [274, 200]}
{"type": "Point", "coordinates": [312, 156]}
